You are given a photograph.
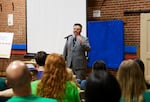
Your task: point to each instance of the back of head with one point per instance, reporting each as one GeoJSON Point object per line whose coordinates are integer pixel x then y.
{"type": "Point", "coordinates": [17, 75]}
{"type": "Point", "coordinates": [54, 77]}
{"type": "Point", "coordinates": [131, 80]}
{"type": "Point", "coordinates": [55, 61]}
{"type": "Point", "coordinates": [102, 87]}
{"type": "Point", "coordinates": [141, 64]}
{"type": "Point", "coordinates": [40, 58]}
{"type": "Point", "coordinates": [99, 65]}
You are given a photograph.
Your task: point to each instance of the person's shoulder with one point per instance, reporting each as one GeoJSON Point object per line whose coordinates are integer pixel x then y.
{"type": "Point", "coordinates": [147, 91]}
{"type": "Point", "coordinates": [31, 98]}
{"type": "Point", "coordinates": [48, 100]}
{"type": "Point", "coordinates": [71, 84]}
{"type": "Point", "coordinates": [147, 96]}
{"type": "Point", "coordinates": [42, 99]}
{"type": "Point", "coordinates": [3, 84]}
{"type": "Point", "coordinates": [35, 82]}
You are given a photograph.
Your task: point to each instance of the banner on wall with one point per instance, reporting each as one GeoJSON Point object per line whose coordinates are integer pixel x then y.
{"type": "Point", "coordinates": [6, 39]}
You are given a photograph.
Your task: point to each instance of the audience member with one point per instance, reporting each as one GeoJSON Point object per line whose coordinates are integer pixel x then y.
{"type": "Point", "coordinates": [3, 86]}
{"type": "Point", "coordinates": [102, 87]}
{"type": "Point", "coordinates": [131, 81]}
{"type": "Point", "coordinates": [8, 92]}
{"type": "Point", "coordinates": [55, 82]}
{"type": "Point", "coordinates": [98, 65]}
{"type": "Point", "coordinates": [33, 71]}
{"type": "Point", "coordinates": [72, 77]}
{"type": "Point", "coordinates": [19, 78]}
{"type": "Point", "coordinates": [40, 58]}
{"type": "Point", "coordinates": [142, 67]}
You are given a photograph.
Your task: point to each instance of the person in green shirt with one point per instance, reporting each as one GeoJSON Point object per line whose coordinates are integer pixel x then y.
{"type": "Point", "coordinates": [3, 86]}
{"type": "Point", "coordinates": [132, 82]}
{"type": "Point", "coordinates": [55, 82]}
{"type": "Point", "coordinates": [19, 78]}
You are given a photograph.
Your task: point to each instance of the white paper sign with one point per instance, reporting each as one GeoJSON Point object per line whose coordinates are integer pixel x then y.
{"type": "Point", "coordinates": [6, 39]}
{"type": "Point", "coordinates": [10, 20]}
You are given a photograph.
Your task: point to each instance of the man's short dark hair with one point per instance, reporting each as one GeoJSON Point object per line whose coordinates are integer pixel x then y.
{"type": "Point", "coordinates": [40, 58]}
{"type": "Point", "coordinates": [99, 65]}
{"type": "Point", "coordinates": [77, 24]}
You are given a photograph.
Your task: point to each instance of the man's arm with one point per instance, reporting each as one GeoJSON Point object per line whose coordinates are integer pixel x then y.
{"type": "Point", "coordinates": [85, 44]}
{"type": "Point", "coordinates": [7, 93]}
{"type": "Point", "coordinates": [65, 50]}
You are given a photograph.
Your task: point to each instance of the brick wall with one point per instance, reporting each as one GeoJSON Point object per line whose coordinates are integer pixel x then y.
{"type": "Point", "coordinates": [110, 9]}
{"type": "Point", "coordinates": [17, 8]}
{"type": "Point", "coordinates": [121, 9]}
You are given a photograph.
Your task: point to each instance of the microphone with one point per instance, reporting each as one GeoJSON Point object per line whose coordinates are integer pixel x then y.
{"type": "Point", "coordinates": [67, 36]}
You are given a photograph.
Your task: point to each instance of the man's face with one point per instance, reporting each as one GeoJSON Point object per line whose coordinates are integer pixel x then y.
{"type": "Point", "coordinates": [76, 30]}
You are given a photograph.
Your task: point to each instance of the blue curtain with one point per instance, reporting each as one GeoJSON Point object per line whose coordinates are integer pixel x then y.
{"type": "Point", "coordinates": [107, 42]}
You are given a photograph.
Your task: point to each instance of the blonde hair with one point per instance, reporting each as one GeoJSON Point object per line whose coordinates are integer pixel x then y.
{"type": "Point", "coordinates": [131, 81]}
{"type": "Point", "coordinates": [54, 78]}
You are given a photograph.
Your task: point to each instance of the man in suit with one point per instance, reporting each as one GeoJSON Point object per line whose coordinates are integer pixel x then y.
{"type": "Point", "coordinates": [75, 51]}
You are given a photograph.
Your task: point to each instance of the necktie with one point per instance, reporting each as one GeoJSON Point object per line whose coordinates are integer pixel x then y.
{"type": "Point", "coordinates": [74, 41]}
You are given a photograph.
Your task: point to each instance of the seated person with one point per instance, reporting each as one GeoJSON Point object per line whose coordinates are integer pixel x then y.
{"type": "Point", "coordinates": [97, 66]}
{"type": "Point", "coordinates": [142, 67]}
{"type": "Point", "coordinates": [132, 82]}
{"type": "Point", "coordinates": [102, 87]}
{"type": "Point", "coordinates": [33, 71]}
{"type": "Point", "coordinates": [3, 86]}
{"type": "Point", "coordinates": [6, 93]}
{"type": "Point", "coordinates": [72, 77]}
{"type": "Point", "coordinates": [56, 81]}
{"type": "Point", "coordinates": [40, 58]}
{"type": "Point", "coordinates": [19, 78]}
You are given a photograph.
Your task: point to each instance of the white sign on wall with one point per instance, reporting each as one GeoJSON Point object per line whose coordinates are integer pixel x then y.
{"type": "Point", "coordinates": [6, 39]}
{"type": "Point", "coordinates": [10, 20]}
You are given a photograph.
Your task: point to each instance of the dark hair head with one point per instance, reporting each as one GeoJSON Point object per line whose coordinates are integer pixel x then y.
{"type": "Point", "coordinates": [78, 24]}
{"type": "Point", "coordinates": [141, 64]}
{"type": "Point", "coordinates": [102, 87]}
{"type": "Point", "coordinates": [99, 65]}
{"type": "Point", "coordinates": [40, 58]}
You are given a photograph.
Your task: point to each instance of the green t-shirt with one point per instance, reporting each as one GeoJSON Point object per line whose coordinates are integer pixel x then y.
{"type": "Point", "coordinates": [31, 98]}
{"type": "Point", "coordinates": [146, 96]}
{"type": "Point", "coordinates": [71, 91]}
{"type": "Point", "coordinates": [34, 86]}
{"type": "Point", "coordinates": [3, 85]}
